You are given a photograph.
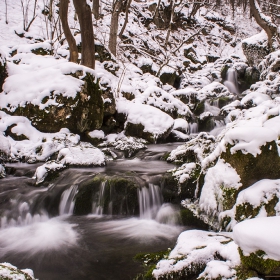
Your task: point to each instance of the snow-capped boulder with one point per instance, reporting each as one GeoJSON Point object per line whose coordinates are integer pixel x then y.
{"type": "Point", "coordinates": [255, 48]}
{"type": "Point", "coordinates": [53, 93]}
{"type": "Point", "coordinates": [258, 240]}
{"type": "Point", "coordinates": [200, 255]}
{"type": "Point", "coordinates": [145, 121]}
{"type": "Point", "coordinates": [165, 101]}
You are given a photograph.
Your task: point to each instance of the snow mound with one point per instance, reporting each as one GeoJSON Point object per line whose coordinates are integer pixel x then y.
{"type": "Point", "coordinates": [259, 234]}
{"type": "Point", "coordinates": [84, 154]}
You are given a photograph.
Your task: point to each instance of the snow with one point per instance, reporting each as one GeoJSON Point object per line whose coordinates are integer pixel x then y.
{"type": "Point", "coordinates": [219, 178]}
{"type": "Point", "coordinates": [196, 247]}
{"type": "Point", "coordinates": [259, 234]}
{"type": "Point", "coordinates": [99, 134]}
{"type": "Point", "coordinates": [85, 154]}
{"type": "Point", "coordinates": [154, 120]}
{"type": "Point", "coordinates": [11, 272]}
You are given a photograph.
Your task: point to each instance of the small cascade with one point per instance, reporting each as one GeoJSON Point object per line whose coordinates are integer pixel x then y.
{"type": "Point", "coordinates": [150, 200]}
{"type": "Point", "coordinates": [213, 109]}
{"type": "Point", "coordinates": [98, 205]}
{"type": "Point", "coordinates": [22, 217]}
{"type": "Point", "coordinates": [231, 81]}
{"type": "Point", "coordinates": [67, 202]}
{"type": "Point", "coordinates": [193, 128]}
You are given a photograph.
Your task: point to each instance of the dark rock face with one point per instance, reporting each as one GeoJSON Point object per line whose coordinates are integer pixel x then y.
{"type": "Point", "coordinates": [81, 114]}
{"type": "Point", "coordinates": [138, 130]}
{"type": "Point", "coordinates": [255, 53]}
{"type": "Point", "coordinates": [119, 195]}
{"type": "Point", "coordinates": [3, 71]}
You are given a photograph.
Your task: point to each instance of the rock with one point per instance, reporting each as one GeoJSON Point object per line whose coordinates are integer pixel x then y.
{"type": "Point", "coordinates": [144, 121]}
{"type": "Point", "coordinates": [80, 114]}
{"type": "Point", "coordinates": [255, 48]}
{"type": "Point", "coordinates": [253, 168]}
{"type": "Point", "coordinates": [10, 272]}
{"type": "Point", "coordinates": [129, 145]}
{"type": "Point", "coordinates": [3, 71]}
{"type": "Point", "coordinates": [112, 195]}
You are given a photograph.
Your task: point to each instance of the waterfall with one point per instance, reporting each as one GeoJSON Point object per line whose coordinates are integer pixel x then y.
{"type": "Point", "coordinates": [150, 200]}
{"type": "Point", "coordinates": [67, 202]}
{"type": "Point", "coordinates": [98, 205]}
{"type": "Point", "coordinates": [213, 109]}
{"type": "Point", "coordinates": [193, 128]}
{"type": "Point", "coordinates": [231, 81]}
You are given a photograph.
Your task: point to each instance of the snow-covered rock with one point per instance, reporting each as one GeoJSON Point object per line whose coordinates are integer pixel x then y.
{"type": "Point", "coordinates": [207, 255]}
{"type": "Point", "coordinates": [145, 121]}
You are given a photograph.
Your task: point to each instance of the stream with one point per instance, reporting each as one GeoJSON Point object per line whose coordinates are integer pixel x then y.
{"type": "Point", "coordinates": [40, 231]}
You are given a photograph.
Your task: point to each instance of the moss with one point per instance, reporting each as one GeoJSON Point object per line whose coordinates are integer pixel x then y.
{"type": "Point", "coordinates": [149, 261]}
{"type": "Point", "coordinates": [168, 78]}
{"type": "Point", "coordinates": [252, 169]}
{"type": "Point", "coordinates": [224, 71]}
{"type": "Point", "coordinates": [243, 273]}
{"type": "Point", "coordinates": [229, 197]}
{"type": "Point", "coordinates": [246, 210]}
{"type": "Point", "coordinates": [14, 273]}
{"type": "Point", "coordinates": [259, 262]}
{"type": "Point", "coordinates": [270, 206]}
{"type": "Point", "coordinates": [119, 195]}
{"type": "Point", "coordinates": [80, 114]}
{"type": "Point", "coordinates": [199, 108]}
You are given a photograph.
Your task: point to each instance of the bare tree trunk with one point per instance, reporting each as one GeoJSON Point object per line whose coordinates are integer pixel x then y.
{"type": "Point", "coordinates": [170, 23]}
{"type": "Point", "coordinates": [263, 21]}
{"type": "Point", "coordinates": [63, 14]}
{"type": "Point", "coordinates": [6, 11]}
{"type": "Point", "coordinates": [95, 9]}
{"type": "Point", "coordinates": [84, 15]}
{"type": "Point", "coordinates": [126, 17]}
{"type": "Point", "coordinates": [114, 27]}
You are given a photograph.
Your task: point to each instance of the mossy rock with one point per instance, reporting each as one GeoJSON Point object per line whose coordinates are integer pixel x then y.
{"type": "Point", "coordinates": [149, 261]}
{"type": "Point", "coordinates": [252, 169]}
{"type": "Point", "coordinates": [189, 219]}
{"type": "Point", "coordinates": [199, 108]}
{"type": "Point", "coordinates": [246, 210]}
{"type": "Point", "coordinates": [81, 114]}
{"type": "Point", "coordinates": [259, 262]}
{"type": "Point", "coordinates": [119, 195]}
{"type": "Point", "coordinates": [206, 124]}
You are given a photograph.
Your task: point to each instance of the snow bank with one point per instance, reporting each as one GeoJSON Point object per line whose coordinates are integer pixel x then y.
{"type": "Point", "coordinates": [259, 234]}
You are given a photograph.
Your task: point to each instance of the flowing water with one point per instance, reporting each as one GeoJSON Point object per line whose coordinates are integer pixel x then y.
{"type": "Point", "coordinates": [39, 230]}
{"type": "Point", "coordinates": [231, 81]}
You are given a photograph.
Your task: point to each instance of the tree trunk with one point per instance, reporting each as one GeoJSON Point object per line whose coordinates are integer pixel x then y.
{"type": "Point", "coordinates": [63, 14]}
{"type": "Point", "coordinates": [114, 27]}
{"type": "Point", "coordinates": [84, 15]}
{"type": "Point", "coordinates": [263, 21]}
{"type": "Point", "coordinates": [95, 9]}
{"type": "Point", "coordinates": [126, 17]}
